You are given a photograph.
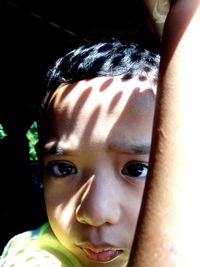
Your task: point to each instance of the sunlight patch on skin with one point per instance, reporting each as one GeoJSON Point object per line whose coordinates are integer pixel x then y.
{"type": "Point", "coordinates": [48, 146]}
{"type": "Point", "coordinates": [85, 189]}
{"type": "Point", "coordinates": [171, 248]}
{"type": "Point", "coordinates": [66, 208]}
{"type": "Point", "coordinates": [66, 212]}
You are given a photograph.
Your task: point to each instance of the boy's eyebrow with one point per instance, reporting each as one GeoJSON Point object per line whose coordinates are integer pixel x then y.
{"type": "Point", "coordinates": [138, 149]}
{"type": "Point", "coordinates": [55, 150]}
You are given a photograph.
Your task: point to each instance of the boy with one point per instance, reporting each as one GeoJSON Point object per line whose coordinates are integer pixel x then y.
{"type": "Point", "coordinates": [95, 136]}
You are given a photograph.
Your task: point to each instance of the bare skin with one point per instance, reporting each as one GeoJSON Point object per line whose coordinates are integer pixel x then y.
{"type": "Point", "coordinates": [168, 232]}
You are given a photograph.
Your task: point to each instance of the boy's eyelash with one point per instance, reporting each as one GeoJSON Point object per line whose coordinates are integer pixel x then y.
{"type": "Point", "coordinates": [61, 168]}
{"type": "Point", "coordinates": [135, 169]}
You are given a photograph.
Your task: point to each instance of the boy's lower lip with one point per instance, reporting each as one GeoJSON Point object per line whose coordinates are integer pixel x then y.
{"type": "Point", "coordinates": [101, 256]}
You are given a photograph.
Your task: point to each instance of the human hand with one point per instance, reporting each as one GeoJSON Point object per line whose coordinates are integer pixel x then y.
{"type": "Point", "coordinates": [158, 10]}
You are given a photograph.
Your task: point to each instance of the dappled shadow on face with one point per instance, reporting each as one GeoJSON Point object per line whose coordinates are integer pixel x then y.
{"type": "Point", "coordinates": [61, 97]}
{"type": "Point", "coordinates": [87, 111]}
{"type": "Point", "coordinates": [118, 102]}
{"type": "Point", "coordinates": [142, 103]}
{"type": "Point", "coordinates": [91, 124]}
{"type": "Point", "coordinates": [115, 100]}
{"type": "Point", "coordinates": [76, 110]}
{"type": "Point", "coordinates": [106, 85]}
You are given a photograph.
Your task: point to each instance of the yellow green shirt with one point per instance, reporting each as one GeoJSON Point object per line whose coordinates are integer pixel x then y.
{"type": "Point", "coordinates": [37, 248]}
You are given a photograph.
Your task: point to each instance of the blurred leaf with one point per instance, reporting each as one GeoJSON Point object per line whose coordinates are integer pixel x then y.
{"type": "Point", "coordinates": [32, 136]}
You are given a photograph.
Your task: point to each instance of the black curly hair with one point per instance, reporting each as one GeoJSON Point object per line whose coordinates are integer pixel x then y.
{"type": "Point", "coordinates": [108, 58]}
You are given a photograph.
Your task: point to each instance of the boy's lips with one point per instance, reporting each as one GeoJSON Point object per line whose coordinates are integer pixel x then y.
{"type": "Point", "coordinates": [101, 254]}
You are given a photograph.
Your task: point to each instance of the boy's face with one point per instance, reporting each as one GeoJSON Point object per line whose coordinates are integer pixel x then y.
{"type": "Point", "coordinates": [96, 160]}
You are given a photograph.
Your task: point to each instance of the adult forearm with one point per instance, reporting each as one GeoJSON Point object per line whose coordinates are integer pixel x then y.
{"type": "Point", "coordinates": [169, 226]}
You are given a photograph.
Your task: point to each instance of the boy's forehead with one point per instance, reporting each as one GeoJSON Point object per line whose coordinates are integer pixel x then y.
{"type": "Point", "coordinates": [102, 110]}
{"type": "Point", "coordinates": [104, 90]}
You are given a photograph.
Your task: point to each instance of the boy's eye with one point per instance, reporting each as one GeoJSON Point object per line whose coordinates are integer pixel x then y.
{"type": "Point", "coordinates": [61, 168]}
{"type": "Point", "coordinates": [135, 169]}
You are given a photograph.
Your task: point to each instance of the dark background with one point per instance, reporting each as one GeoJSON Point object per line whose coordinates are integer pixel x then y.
{"type": "Point", "coordinates": [33, 35]}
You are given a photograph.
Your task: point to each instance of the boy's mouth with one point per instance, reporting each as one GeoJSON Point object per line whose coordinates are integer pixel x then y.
{"type": "Point", "coordinates": [101, 254]}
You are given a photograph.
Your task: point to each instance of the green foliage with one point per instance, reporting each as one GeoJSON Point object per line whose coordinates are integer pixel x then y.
{"type": "Point", "coordinates": [2, 133]}
{"type": "Point", "coordinates": [32, 135]}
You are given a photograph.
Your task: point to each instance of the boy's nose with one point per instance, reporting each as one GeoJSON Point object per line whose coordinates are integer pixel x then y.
{"type": "Point", "coordinates": [99, 203]}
